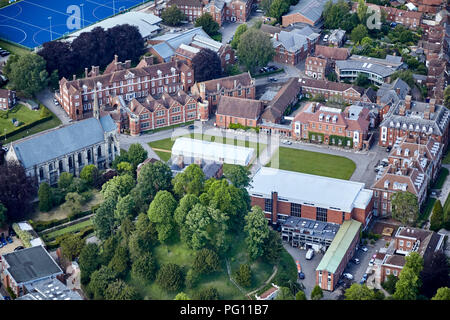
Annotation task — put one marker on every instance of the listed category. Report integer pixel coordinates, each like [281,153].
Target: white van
[309,254]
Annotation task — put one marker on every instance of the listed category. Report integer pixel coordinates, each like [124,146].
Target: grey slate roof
[50,289]
[388,91]
[31,264]
[311,9]
[378,69]
[295,39]
[62,141]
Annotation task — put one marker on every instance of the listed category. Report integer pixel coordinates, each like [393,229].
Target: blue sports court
[30,23]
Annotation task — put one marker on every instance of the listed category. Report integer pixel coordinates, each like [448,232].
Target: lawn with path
[70,229]
[316,163]
[22,114]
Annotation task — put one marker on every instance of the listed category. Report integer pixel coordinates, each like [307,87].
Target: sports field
[30,23]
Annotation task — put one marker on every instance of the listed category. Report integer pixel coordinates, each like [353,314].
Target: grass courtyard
[10,47]
[163,147]
[19,112]
[183,256]
[316,163]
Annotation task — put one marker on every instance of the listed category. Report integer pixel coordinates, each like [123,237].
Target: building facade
[330,90]
[232,110]
[321,124]
[8,99]
[67,149]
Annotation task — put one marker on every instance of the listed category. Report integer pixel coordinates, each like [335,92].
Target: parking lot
[11,246]
[309,268]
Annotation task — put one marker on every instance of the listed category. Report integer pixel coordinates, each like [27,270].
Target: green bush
[11,293]
[24,236]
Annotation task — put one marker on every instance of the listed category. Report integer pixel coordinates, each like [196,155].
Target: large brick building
[414,118]
[77,96]
[233,110]
[330,90]
[321,124]
[409,19]
[220,10]
[307,11]
[240,86]
[281,194]
[8,99]
[414,164]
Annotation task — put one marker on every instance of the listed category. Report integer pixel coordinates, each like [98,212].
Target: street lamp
[51,35]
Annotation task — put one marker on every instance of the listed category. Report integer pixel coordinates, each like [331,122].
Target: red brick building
[281,194]
[337,91]
[8,99]
[409,19]
[240,86]
[232,110]
[294,46]
[417,119]
[77,96]
[414,164]
[321,124]
[192,9]
[316,67]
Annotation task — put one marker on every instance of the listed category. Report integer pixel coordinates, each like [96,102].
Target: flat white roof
[312,190]
[212,151]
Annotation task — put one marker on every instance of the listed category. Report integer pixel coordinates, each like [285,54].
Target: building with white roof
[147,23]
[282,193]
[213,151]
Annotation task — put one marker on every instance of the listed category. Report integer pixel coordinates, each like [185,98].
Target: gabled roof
[311,9]
[332,53]
[61,141]
[239,107]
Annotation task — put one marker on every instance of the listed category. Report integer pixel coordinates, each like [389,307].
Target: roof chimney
[426,114]
[408,102]
[432,105]
[86,73]
[116,58]
[276,36]
[74,77]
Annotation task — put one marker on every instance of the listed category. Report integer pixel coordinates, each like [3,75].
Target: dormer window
[386,184]
[328,118]
[321,117]
[399,151]
[406,152]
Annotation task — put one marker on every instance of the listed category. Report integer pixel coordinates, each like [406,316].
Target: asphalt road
[46,98]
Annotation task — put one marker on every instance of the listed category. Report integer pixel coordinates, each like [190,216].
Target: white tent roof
[212,151]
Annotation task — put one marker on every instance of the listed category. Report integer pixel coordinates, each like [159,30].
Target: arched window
[80,161]
[61,168]
[89,156]
[41,173]
[99,151]
[70,163]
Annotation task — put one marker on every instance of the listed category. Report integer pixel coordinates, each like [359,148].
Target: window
[160,121]
[321,214]
[41,173]
[296,209]
[408,244]
[268,205]
[395,272]
[400,242]
[99,151]
[388,271]
[145,125]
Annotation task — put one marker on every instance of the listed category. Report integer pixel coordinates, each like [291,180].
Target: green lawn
[70,229]
[441,178]
[13,48]
[167,144]
[446,158]
[314,163]
[49,124]
[22,114]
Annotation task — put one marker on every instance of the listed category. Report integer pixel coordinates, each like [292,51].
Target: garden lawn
[316,163]
[71,229]
[11,47]
[22,114]
[443,173]
[49,124]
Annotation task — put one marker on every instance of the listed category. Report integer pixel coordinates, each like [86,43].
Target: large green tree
[257,231]
[144,267]
[161,212]
[237,35]
[442,294]
[244,275]
[125,208]
[143,239]
[437,217]
[136,154]
[359,292]
[405,207]
[3,215]
[407,286]
[170,277]
[206,261]
[238,175]
[27,73]
[272,247]
[207,65]
[119,262]
[190,181]
[284,294]
[316,293]
[255,49]
[359,33]
[89,261]
[120,290]
[100,279]
[278,8]
[103,220]
[208,24]
[89,174]
[172,16]
[71,246]
[45,197]
[119,186]
[185,205]
[182,296]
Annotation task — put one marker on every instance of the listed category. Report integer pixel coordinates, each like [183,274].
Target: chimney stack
[74,77]
[397,90]
[408,102]
[402,110]
[432,105]
[426,114]
[86,73]
[116,58]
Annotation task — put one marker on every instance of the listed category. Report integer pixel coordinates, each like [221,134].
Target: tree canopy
[208,24]
[255,49]
[238,175]
[237,35]
[359,292]
[190,181]
[257,231]
[405,207]
[172,16]
[206,65]
[161,212]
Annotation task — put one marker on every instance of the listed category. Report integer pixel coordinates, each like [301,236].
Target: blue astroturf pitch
[30,23]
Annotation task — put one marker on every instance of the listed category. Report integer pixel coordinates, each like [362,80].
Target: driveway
[46,98]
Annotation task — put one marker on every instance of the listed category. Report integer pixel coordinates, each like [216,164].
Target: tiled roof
[239,107]
[311,9]
[329,85]
[190,3]
[243,79]
[279,103]
[332,52]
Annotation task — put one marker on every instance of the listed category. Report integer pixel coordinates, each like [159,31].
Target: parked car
[11,232]
[18,248]
[9,239]
[348,276]
[55,101]
[371,262]
[364,249]
[301,275]
[325,38]
[5,149]
[309,254]
[286,142]
[6,297]
[384,162]
[1,245]
[191,127]
[273,68]
[388,149]
[355,261]
[272,79]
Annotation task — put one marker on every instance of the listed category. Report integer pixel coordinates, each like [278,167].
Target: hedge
[236,126]
[44,225]
[25,236]
[25,127]
[83,233]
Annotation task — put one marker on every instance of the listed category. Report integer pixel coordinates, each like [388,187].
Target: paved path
[275,270]
[46,98]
